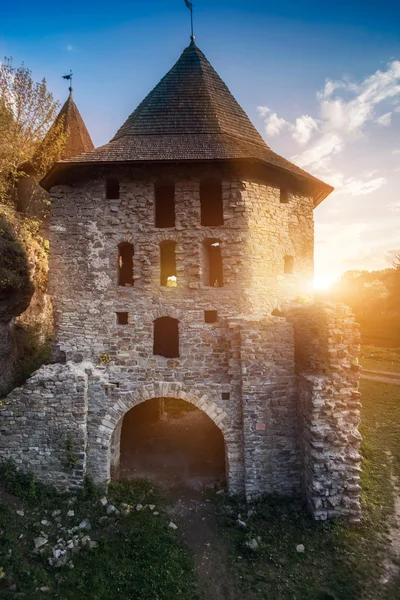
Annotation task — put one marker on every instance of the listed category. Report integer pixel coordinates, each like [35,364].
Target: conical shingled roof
[189,116]
[78,139]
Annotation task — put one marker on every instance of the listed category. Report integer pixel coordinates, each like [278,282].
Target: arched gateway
[104,443]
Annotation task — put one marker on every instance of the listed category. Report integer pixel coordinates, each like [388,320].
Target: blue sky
[276,58]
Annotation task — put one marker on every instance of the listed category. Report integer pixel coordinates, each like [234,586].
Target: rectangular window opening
[211,205]
[165,206]
[284,196]
[212,264]
[168,264]
[122,318]
[210,316]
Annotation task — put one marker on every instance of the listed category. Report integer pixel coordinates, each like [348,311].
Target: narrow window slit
[112,189]
[284,196]
[125,264]
[212,264]
[165,206]
[211,205]
[168,264]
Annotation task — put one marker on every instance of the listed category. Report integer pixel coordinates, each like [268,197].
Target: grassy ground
[380,359]
[138,557]
[338,563]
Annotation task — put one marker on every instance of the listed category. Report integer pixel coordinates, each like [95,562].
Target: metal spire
[69,78]
[190,7]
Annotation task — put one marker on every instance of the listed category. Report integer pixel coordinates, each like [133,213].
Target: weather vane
[69,78]
[190,7]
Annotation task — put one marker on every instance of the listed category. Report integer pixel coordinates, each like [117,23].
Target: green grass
[380,359]
[138,557]
[339,562]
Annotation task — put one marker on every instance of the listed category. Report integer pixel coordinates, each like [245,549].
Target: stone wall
[43,425]
[262,354]
[327,345]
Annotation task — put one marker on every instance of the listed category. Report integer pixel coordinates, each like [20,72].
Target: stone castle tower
[180,252]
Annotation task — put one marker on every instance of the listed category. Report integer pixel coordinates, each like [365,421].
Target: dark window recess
[289,265]
[165,205]
[225,395]
[166,337]
[112,189]
[122,318]
[168,263]
[284,196]
[213,270]
[210,316]
[211,204]
[125,264]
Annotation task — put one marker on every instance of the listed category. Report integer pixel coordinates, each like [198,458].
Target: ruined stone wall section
[327,347]
[43,425]
[265,359]
[276,230]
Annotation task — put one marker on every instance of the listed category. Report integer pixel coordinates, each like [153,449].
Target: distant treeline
[374,297]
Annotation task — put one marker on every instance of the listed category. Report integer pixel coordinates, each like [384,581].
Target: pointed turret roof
[189,116]
[78,139]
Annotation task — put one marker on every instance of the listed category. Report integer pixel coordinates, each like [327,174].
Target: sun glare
[323,282]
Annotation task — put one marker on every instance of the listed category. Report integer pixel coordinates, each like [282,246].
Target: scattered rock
[70,513]
[56,513]
[111,509]
[85,524]
[44,589]
[45,523]
[93,544]
[172,525]
[40,542]
[152,506]
[300,548]
[20,513]
[139,507]
[155,513]
[252,544]
[103,501]
[240,523]
[220,492]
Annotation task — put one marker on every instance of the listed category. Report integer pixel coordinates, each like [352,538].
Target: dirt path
[394,381]
[195,518]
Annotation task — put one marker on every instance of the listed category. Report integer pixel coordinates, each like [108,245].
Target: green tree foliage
[16,287]
[28,134]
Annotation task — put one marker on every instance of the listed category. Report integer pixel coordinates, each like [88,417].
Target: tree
[28,134]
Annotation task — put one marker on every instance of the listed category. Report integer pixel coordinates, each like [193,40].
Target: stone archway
[171,442]
[103,447]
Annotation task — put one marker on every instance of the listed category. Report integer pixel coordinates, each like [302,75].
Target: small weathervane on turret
[69,78]
[190,7]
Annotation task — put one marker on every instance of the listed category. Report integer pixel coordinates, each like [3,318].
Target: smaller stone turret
[29,197]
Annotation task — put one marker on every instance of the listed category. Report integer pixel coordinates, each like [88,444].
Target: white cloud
[357,187]
[263,111]
[303,129]
[394,207]
[343,120]
[385,119]
[396,152]
[274,124]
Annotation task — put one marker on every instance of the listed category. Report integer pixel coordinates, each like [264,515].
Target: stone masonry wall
[43,425]
[327,345]
[262,354]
